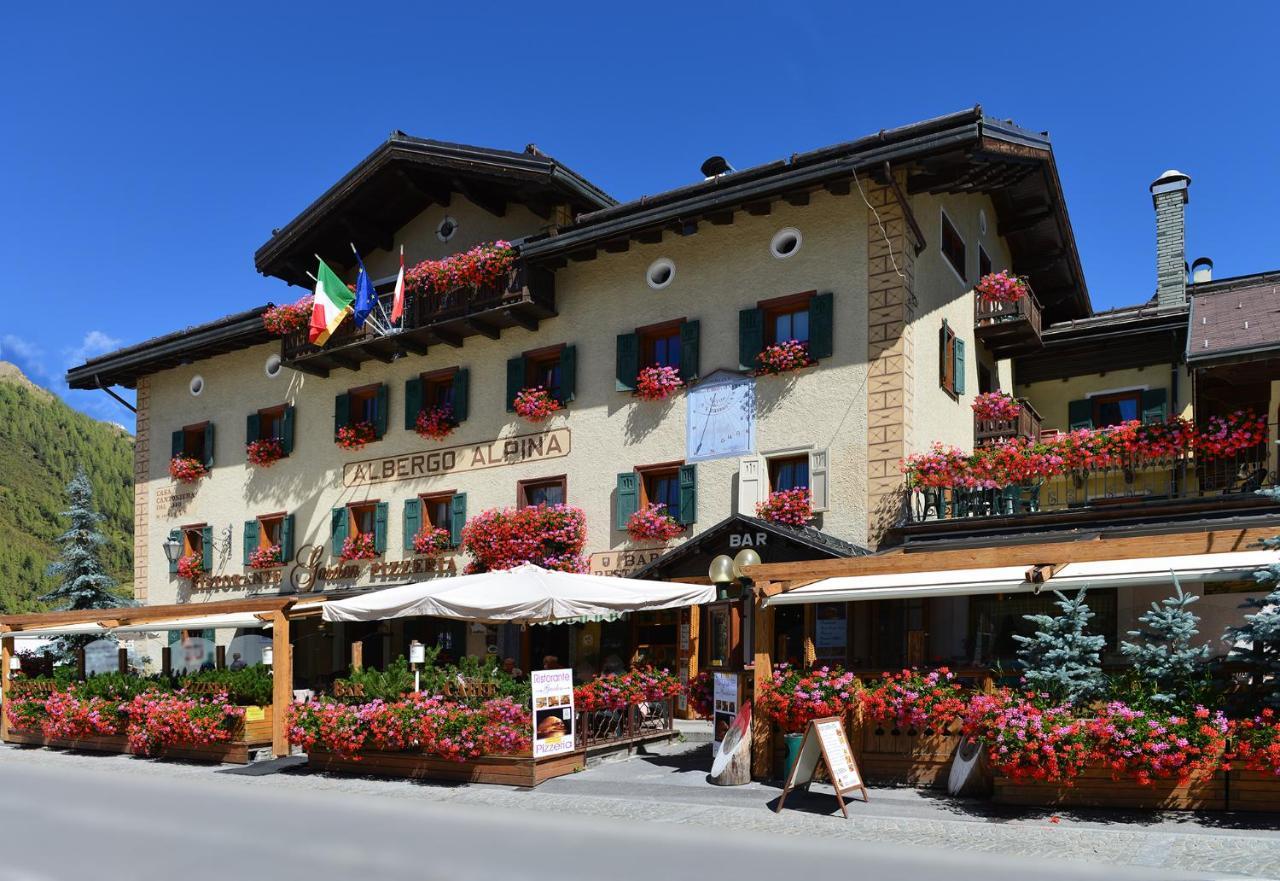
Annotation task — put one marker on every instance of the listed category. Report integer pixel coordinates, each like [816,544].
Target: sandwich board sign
[825,741]
[553,720]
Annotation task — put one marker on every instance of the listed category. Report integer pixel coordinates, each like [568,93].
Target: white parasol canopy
[525,594]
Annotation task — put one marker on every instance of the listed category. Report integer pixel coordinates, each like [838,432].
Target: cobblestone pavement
[668,785]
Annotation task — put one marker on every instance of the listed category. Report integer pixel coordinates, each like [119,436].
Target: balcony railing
[633,725]
[1008,329]
[1026,424]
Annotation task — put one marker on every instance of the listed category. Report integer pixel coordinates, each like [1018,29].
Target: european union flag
[366,297]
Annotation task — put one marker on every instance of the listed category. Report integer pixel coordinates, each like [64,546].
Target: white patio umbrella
[526,594]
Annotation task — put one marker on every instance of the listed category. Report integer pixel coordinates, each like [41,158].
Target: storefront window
[831,633]
[995,619]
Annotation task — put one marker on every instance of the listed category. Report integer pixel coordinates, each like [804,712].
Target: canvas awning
[525,594]
[198,622]
[1154,570]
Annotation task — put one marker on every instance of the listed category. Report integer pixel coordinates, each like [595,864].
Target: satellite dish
[734,739]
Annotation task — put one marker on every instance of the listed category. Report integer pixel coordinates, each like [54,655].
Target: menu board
[825,741]
[725,695]
[552,712]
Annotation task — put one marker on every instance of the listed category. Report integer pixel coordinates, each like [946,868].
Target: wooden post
[6,652]
[761,729]
[80,667]
[281,685]
[810,625]
[166,661]
[122,660]
[220,657]
[357,655]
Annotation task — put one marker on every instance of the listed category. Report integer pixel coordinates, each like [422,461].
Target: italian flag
[332,303]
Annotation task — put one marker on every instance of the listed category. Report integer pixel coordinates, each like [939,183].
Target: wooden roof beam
[649,236]
[448,337]
[798,199]
[528,322]
[429,191]
[758,209]
[484,328]
[493,204]
[617,246]
[838,187]
[720,218]
[1023,222]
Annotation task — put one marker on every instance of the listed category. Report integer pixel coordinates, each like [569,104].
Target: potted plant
[1002,287]
[289,317]
[435,423]
[359,547]
[186,469]
[357,435]
[656,383]
[190,566]
[997,406]
[267,557]
[431,542]
[535,404]
[653,523]
[793,698]
[790,507]
[265,452]
[783,357]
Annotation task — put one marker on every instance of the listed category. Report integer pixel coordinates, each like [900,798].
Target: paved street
[66,816]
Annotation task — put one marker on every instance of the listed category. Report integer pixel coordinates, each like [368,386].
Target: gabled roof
[1234,319]
[404,176]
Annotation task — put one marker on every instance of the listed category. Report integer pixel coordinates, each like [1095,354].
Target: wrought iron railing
[634,723]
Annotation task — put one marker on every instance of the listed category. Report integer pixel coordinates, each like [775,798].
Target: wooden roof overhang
[128,615]
[1130,338]
[402,178]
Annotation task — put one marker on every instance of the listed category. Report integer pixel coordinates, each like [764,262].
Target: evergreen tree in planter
[1261,629]
[83,580]
[1166,666]
[1062,658]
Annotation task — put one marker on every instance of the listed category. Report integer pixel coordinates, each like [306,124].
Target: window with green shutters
[338,529]
[271,422]
[807,317]
[674,344]
[951,360]
[359,519]
[440,388]
[195,442]
[438,510]
[368,403]
[674,486]
[267,531]
[554,368]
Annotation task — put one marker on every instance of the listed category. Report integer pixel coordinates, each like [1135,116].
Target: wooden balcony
[1027,424]
[1008,329]
[525,298]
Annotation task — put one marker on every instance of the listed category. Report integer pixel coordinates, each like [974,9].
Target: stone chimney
[1169,195]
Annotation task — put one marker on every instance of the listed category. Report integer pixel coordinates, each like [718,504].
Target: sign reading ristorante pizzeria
[455,460]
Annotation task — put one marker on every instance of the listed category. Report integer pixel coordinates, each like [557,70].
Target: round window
[272,367]
[785,242]
[196,385]
[982,221]
[661,272]
[446,228]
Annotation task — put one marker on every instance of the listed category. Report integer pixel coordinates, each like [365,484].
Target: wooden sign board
[825,740]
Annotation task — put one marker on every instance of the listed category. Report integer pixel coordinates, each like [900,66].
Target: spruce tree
[1257,641]
[1062,658]
[1165,661]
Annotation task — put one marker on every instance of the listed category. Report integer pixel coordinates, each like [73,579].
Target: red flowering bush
[288,318]
[483,266]
[267,557]
[550,536]
[359,547]
[190,566]
[334,727]
[1027,742]
[435,423]
[616,691]
[356,435]
[158,720]
[26,712]
[69,717]
[1146,746]
[783,357]
[535,404]
[653,523]
[701,695]
[1256,742]
[999,406]
[186,469]
[658,383]
[792,697]
[914,700]
[1226,436]
[265,452]
[432,541]
[1002,287]
[790,507]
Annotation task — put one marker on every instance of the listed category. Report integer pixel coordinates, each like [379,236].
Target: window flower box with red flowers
[268,557]
[432,541]
[356,436]
[658,383]
[789,507]
[1254,778]
[792,698]
[288,318]
[1002,287]
[783,358]
[550,536]
[435,423]
[653,523]
[359,547]
[483,266]
[186,469]
[996,406]
[190,566]
[264,452]
[535,404]
[908,726]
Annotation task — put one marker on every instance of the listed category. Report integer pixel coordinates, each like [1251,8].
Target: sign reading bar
[825,739]
[455,460]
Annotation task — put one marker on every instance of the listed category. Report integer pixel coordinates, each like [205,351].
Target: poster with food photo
[725,695]
[552,712]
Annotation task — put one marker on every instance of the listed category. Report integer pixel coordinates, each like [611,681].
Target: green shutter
[382,408]
[250,539]
[174,535]
[959,366]
[178,443]
[1080,414]
[750,337]
[1154,405]
[515,381]
[208,445]
[690,350]
[380,527]
[412,521]
[943,333]
[628,362]
[206,549]
[821,321]
[628,498]
[286,538]
[341,412]
[412,402]
[252,428]
[338,525]
[461,394]
[568,373]
[457,517]
[688,494]
[286,429]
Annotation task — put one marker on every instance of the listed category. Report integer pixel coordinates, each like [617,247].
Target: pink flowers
[483,266]
[535,404]
[1002,287]
[435,423]
[359,547]
[190,566]
[658,383]
[1256,742]
[265,452]
[793,697]
[782,357]
[432,541]
[1146,746]
[291,317]
[996,406]
[186,469]
[1026,742]
[267,557]
[790,507]
[912,699]
[653,523]
[617,691]
[160,720]
[68,717]
[550,536]
[356,435]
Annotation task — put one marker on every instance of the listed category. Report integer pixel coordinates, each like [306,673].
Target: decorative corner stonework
[141,485]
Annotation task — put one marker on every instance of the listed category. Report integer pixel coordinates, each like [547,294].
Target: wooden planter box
[1095,789]
[107,743]
[1253,791]
[904,759]
[506,770]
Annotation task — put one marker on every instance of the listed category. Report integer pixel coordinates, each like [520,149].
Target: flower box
[435,423]
[185,469]
[789,507]
[653,523]
[524,771]
[1095,788]
[288,318]
[893,756]
[783,358]
[191,566]
[264,452]
[356,436]
[535,404]
[266,558]
[1253,790]
[658,383]
[360,547]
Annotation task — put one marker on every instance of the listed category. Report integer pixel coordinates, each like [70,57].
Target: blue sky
[145,158]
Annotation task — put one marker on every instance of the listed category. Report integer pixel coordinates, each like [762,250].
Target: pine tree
[1062,658]
[1164,659]
[1257,641]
